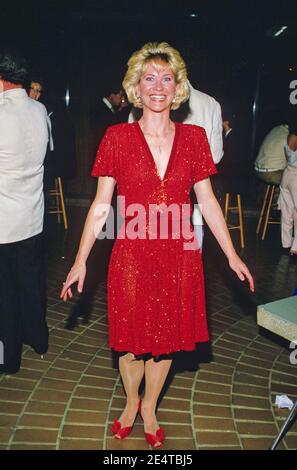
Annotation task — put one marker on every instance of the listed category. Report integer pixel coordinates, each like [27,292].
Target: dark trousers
[22,300]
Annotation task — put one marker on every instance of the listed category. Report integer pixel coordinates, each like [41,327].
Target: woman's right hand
[242,271]
[76,274]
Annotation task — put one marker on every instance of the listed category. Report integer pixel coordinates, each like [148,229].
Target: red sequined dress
[156,300]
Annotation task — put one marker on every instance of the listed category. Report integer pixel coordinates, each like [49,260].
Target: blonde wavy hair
[155,52]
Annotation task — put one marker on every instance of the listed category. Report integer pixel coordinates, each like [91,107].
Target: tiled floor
[220,397]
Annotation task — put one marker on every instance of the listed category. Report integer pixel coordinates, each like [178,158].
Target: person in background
[288,195]
[227,127]
[271,162]
[231,169]
[36,88]
[35,91]
[23,143]
[271,159]
[124,108]
[104,112]
[205,111]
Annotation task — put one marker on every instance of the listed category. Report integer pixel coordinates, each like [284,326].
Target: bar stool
[265,210]
[237,209]
[59,207]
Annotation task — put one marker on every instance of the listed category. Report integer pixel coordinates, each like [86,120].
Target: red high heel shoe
[154,440]
[122,432]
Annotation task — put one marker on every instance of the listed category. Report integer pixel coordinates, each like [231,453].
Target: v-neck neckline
[171,155]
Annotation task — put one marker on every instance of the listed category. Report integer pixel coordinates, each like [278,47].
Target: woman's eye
[149,79]
[167,79]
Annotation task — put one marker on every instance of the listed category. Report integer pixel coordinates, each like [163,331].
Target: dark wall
[229,47]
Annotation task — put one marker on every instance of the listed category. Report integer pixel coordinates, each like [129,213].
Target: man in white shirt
[206,112]
[23,143]
[271,159]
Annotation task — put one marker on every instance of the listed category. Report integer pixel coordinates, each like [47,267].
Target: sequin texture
[156,300]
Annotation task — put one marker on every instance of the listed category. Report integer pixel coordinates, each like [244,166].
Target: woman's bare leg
[155,376]
[132,372]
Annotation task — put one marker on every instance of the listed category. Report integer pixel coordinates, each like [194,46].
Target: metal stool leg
[292,416]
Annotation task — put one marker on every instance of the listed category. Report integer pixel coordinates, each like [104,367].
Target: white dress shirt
[228,132]
[108,104]
[23,143]
[206,112]
[271,156]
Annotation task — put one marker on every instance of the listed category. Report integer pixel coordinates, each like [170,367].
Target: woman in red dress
[156,303]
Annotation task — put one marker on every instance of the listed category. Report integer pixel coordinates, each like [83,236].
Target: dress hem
[159,352]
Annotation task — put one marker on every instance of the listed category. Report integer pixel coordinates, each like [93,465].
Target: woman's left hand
[241,270]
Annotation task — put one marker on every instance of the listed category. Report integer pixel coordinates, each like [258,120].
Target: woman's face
[35,90]
[157,87]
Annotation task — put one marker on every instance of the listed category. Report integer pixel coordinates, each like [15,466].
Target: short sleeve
[106,157]
[203,165]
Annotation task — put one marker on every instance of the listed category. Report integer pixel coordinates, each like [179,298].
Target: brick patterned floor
[216,398]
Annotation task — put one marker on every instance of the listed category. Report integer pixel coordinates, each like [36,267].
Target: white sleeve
[216,137]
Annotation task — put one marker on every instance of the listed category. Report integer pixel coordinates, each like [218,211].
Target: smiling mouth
[158,97]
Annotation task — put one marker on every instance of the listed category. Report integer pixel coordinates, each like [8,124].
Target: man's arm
[216,138]
[292,141]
